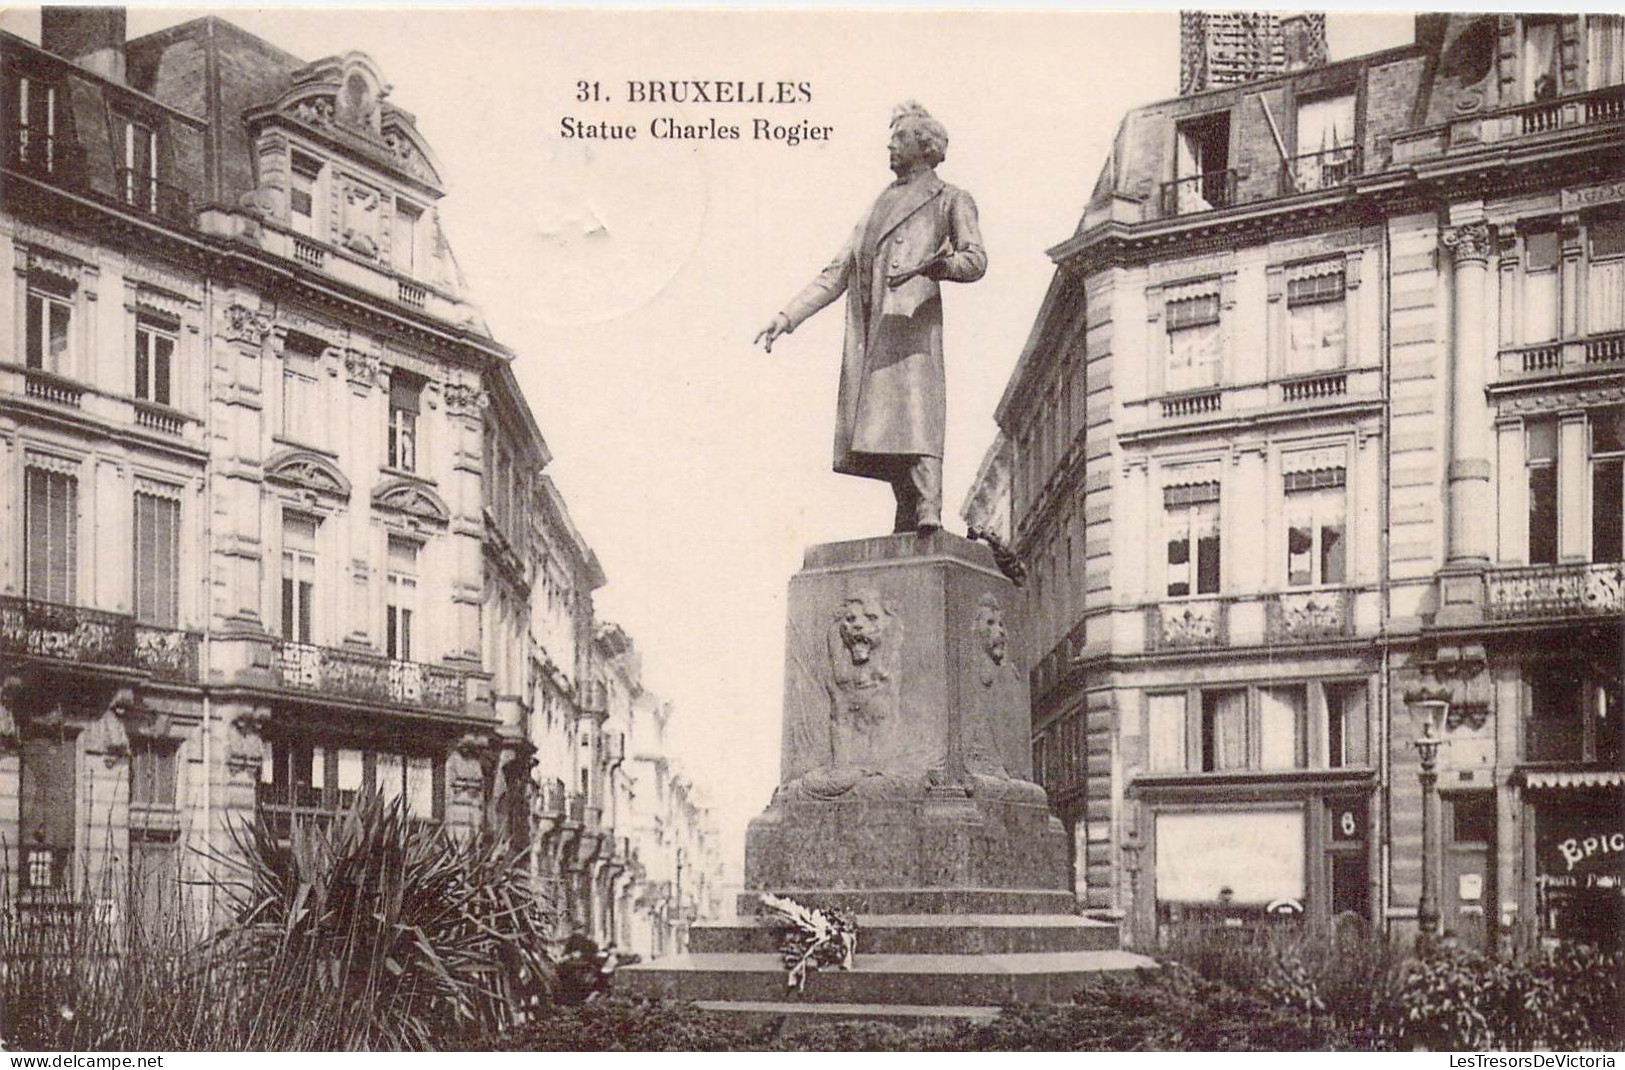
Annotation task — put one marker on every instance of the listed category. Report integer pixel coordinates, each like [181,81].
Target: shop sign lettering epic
[1576,849]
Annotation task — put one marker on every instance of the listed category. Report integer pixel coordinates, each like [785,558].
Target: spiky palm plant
[378,932]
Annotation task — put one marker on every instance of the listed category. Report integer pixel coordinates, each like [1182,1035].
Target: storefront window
[1580,865]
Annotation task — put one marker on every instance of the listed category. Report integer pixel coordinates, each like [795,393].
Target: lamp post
[1433,708]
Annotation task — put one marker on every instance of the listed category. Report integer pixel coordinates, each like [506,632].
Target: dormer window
[138,177]
[1605,50]
[302,194]
[1201,173]
[34,139]
[408,228]
[1542,72]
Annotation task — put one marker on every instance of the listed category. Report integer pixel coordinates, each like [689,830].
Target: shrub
[620,1024]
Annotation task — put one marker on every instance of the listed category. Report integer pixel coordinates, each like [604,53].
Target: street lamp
[1431,708]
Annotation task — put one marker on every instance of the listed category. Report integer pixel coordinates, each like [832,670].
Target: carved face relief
[862,624]
[989,628]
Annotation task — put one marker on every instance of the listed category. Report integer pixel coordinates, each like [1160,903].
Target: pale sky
[630,277]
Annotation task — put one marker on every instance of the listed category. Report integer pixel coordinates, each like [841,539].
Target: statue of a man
[892,406]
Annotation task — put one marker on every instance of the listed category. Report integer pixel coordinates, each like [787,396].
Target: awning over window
[1552,779]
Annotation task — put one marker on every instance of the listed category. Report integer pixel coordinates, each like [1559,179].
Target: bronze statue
[892,406]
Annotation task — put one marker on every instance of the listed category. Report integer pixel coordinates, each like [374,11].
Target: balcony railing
[94,637]
[1471,133]
[1199,193]
[359,675]
[142,191]
[1208,401]
[412,294]
[48,386]
[160,418]
[1187,625]
[1555,591]
[309,253]
[1316,387]
[1320,170]
[1573,354]
[1308,616]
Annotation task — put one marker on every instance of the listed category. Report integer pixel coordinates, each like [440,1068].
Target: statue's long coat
[893,398]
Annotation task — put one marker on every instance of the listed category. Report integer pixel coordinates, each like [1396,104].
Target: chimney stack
[1304,33]
[92,37]
[1219,48]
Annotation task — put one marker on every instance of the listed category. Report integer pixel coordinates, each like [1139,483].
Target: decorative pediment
[305,470]
[411,498]
[343,98]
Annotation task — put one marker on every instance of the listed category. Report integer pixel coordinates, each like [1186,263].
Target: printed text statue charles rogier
[892,403]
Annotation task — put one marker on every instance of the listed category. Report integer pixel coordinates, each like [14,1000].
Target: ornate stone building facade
[276,530]
[1321,414]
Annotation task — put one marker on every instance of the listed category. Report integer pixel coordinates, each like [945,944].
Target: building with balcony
[1322,410]
[278,530]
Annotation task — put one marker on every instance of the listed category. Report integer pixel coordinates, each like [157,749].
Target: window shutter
[404,390]
[51,551]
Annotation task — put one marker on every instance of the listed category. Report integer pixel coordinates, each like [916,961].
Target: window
[1541,255]
[405,247]
[403,598]
[1224,730]
[1194,348]
[1605,50]
[1316,550]
[157,560]
[139,175]
[1556,727]
[301,388]
[306,172]
[49,323]
[152,772]
[405,394]
[1282,724]
[35,144]
[47,811]
[1540,59]
[1605,274]
[1165,732]
[1345,725]
[1325,143]
[1607,483]
[1317,315]
[1202,159]
[298,577]
[1540,469]
[154,358]
[1191,521]
[50,545]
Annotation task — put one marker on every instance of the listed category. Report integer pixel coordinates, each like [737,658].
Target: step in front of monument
[798,1017]
[880,979]
[946,901]
[926,934]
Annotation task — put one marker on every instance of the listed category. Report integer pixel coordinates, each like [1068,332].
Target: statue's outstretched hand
[769,334]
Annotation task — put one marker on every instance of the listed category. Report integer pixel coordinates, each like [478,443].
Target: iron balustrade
[370,677]
[1325,169]
[1200,193]
[1556,591]
[45,155]
[37,629]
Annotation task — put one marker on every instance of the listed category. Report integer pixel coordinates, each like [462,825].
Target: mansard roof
[342,101]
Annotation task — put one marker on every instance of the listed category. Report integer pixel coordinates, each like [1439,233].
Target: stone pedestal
[906,797]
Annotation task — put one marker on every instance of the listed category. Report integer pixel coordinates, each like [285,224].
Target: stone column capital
[1469,242]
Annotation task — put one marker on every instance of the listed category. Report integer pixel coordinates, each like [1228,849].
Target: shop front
[1579,848]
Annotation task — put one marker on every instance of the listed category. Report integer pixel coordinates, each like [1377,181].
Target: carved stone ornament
[245,749]
[1469,242]
[1562,401]
[411,160]
[411,498]
[462,398]
[362,367]
[307,471]
[243,324]
[317,111]
[1190,624]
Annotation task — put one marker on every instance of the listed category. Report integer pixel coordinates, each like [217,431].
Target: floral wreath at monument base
[815,939]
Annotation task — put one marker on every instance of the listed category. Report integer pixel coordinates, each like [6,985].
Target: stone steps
[977,980]
[941,934]
[798,1017]
[955,901]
